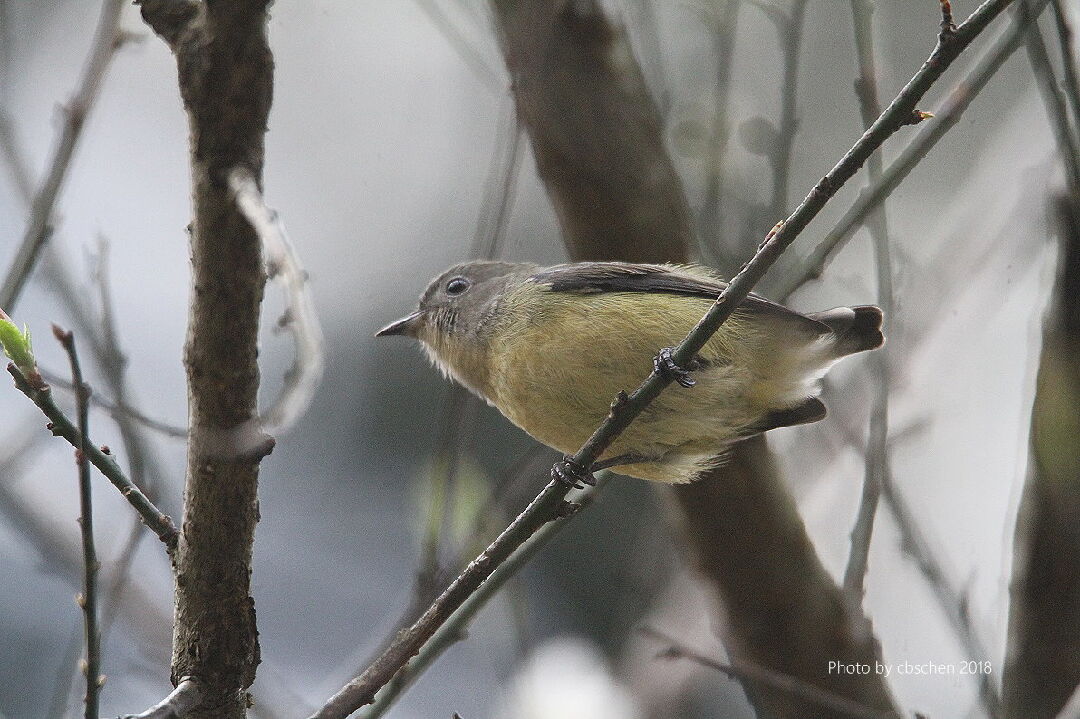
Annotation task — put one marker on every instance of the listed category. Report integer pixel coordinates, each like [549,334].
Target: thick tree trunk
[1043,664]
[225,74]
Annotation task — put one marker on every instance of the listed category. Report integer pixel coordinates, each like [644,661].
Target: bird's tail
[856,329]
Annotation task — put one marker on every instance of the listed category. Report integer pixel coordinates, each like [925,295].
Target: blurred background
[392,145]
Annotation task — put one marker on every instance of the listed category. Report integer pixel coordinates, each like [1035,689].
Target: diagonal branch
[61,426]
[106,42]
[762,676]
[965,92]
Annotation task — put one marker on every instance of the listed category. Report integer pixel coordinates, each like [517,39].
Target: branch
[950,598]
[958,101]
[1068,58]
[877,451]
[187,696]
[299,318]
[764,677]
[61,426]
[626,408]
[1048,86]
[454,628]
[88,599]
[106,41]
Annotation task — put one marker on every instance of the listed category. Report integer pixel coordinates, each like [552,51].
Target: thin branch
[300,318]
[791,31]
[951,599]
[724,21]
[88,600]
[107,40]
[118,411]
[958,101]
[902,111]
[454,628]
[1048,86]
[1068,58]
[765,677]
[61,426]
[488,76]
[187,696]
[877,451]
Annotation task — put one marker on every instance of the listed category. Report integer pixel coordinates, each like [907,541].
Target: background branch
[88,600]
[107,40]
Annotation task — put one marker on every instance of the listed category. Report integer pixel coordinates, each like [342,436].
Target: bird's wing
[597,277]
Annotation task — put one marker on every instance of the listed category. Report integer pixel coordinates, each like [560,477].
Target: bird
[551,346]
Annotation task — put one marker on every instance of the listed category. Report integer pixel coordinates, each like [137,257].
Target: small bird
[550,347]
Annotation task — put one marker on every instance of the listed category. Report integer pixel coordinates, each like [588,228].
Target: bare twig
[488,76]
[186,697]
[724,21]
[958,101]
[877,451]
[763,676]
[948,27]
[790,29]
[61,426]
[117,411]
[1068,58]
[300,318]
[951,598]
[902,111]
[88,600]
[106,42]
[1048,86]
[454,628]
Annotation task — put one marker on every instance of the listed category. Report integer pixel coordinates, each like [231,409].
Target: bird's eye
[457,285]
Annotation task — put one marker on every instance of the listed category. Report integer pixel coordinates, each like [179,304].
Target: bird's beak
[405,326]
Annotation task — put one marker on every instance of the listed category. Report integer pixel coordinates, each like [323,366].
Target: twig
[118,411]
[1048,86]
[501,190]
[877,451]
[950,598]
[948,27]
[106,41]
[1068,58]
[958,101]
[186,697]
[61,426]
[300,318]
[488,76]
[791,31]
[454,628]
[88,600]
[361,690]
[763,676]
[724,26]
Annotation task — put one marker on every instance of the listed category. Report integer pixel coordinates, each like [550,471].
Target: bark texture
[225,71]
[599,144]
[596,134]
[1043,665]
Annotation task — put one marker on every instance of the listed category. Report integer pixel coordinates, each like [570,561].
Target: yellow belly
[559,390]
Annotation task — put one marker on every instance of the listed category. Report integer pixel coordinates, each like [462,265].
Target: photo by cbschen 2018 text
[907,668]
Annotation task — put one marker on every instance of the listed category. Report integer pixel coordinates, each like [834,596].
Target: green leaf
[17,346]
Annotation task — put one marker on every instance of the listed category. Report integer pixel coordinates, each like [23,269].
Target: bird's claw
[665,366]
[570,472]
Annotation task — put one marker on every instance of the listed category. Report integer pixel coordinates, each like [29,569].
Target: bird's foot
[665,366]
[570,472]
